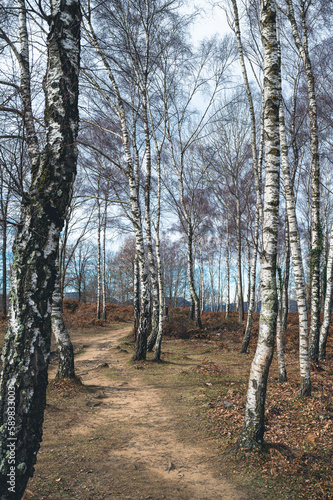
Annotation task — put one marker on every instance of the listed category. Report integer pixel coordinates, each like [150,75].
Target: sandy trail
[185,470]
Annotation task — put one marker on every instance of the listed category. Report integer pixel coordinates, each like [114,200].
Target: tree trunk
[202,284]
[286,274]
[136,294]
[27,342]
[4,267]
[253,430]
[279,334]
[104,315]
[195,307]
[328,302]
[256,161]
[64,344]
[151,259]
[227,305]
[251,305]
[98,304]
[141,338]
[239,267]
[316,229]
[157,354]
[295,245]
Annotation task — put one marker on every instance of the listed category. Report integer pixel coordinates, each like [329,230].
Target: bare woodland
[138,166]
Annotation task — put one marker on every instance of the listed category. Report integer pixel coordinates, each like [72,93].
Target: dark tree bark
[27,342]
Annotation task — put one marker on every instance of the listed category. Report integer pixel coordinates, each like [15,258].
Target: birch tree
[301,38]
[27,342]
[252,433]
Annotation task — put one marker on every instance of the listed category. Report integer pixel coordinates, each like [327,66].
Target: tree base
[305,389]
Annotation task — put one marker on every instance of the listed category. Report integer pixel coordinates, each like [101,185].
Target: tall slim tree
[27,342]
[252,433]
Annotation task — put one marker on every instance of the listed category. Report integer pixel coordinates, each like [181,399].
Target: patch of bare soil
[118,437]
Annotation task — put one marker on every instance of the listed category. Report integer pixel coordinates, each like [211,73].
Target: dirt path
[150,460]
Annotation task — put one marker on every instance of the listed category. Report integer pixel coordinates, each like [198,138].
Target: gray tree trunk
[253,430]
[195,307]
[239,267]
[251,304]
[64,343]
[27,342]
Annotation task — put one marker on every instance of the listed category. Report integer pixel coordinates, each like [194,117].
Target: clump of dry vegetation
[77,315]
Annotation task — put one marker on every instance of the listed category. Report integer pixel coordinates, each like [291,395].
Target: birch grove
[204,182]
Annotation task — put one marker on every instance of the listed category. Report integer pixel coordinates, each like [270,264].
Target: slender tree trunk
[27,343]
[279,334]
[98,310]
[190,267]
[157,354]
[248,276]
[202,284]
[104,315]
[136,295]
[256,161]
[219,308]
[316,229]
[227,305]
[286,274]
[151,259]
[141,338]
[239,267]
[253,430]
[305,387]
[64,344]
[328,302]
[4,267]
[251,305]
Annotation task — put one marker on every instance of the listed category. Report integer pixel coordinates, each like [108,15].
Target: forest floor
[145,430]
[127,433]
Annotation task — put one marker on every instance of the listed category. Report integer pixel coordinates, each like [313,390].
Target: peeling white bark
[328,302]
[253,430]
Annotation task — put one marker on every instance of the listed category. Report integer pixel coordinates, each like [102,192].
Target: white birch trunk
[239,267]
[316,229]
[256,162]
[295,245]
[27,342]
[62,337]
[99,228]
[279,335]
[253,430]
[227,304]
[328,302]
[157,353]
[190,271]
[142,332]
[104,315]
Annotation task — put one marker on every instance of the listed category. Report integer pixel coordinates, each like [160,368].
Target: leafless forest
[143,166]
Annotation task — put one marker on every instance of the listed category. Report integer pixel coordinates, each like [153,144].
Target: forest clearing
[160,430]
